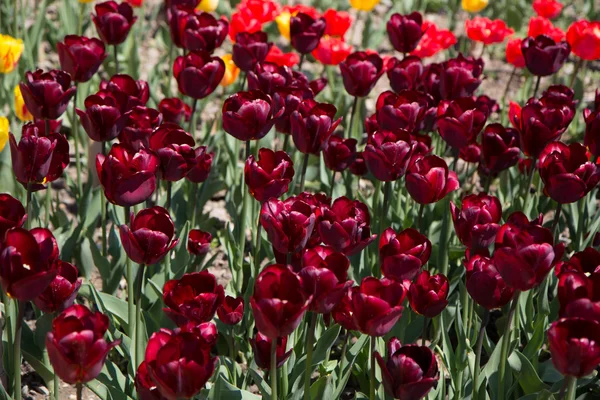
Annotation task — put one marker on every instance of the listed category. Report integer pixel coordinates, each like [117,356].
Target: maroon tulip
[388,153]
[269,176]
[231,311]
[76,345]
[428,179]
[346,226]
[592,127]
[525,252]
[339,153]
[584,261]
[360,72]
[174,148]
[405,31]
[567,172]
[343,314]
[306,32]
[105,115]
[460,77]
[81,56]
[61,292]
[543,56]
[289,224]
[377,305]
[248,115]
[127,177]
[113,21]
[406,110]
[131,93]
[250,49]
[410,372]
[288,99]
[198,242]
[324,275]
[206,331]
[359,166]
[47,94]
[318,204]
[145,386]
[174,110]
[279,301]
[573,285]
[39,157]
[404,74]
[574,346]
[312,124]
[178,363]
[200,165]
[203,32]
[261,348]
[12,214]
[476,223]
[484,283]
[583,308]
[428,294]
[460,121]
[403,254]
[149,236]
[269,77]
[193,298]
[198,74]
[141,122]
[499,148]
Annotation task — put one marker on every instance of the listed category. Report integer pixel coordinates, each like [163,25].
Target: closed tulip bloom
[543,56]
[499,148]
[583,308]
[405,110]
[289,224]
[250,49]
[193,298]
[200,166]
[113,21]
[174,148]
[231,311]
[574,346]
[174,110]
[104,116]
[337,22]
[130,92]
[404,74]
[428,294]
[149,236]
[81,56]
[312,124]
[10,53]
[403,254]
[198,242]
[269,77]
[410,372]
[318,203]
[61,292]
[547,8]
[377,305]
[305,32]
[76,345]
[261,349]
[346,226]
[476,223]
[583,261]
[388,153]
[359,166]
[485,284]
[584,38]
[543,26]
[140,123]
[474,6]
[514,55]
[572,286]
[12,214]
[270,175]
[339,153]
[487,31]
[460,77]
[198,74]
[405,31]
[47,94]
[429,180]
[203,32]
[279,301]
[360,72]
[332,50]
[248,115]
[460,121]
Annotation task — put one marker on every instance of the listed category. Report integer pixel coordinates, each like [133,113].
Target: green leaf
[527,376]
[350,359]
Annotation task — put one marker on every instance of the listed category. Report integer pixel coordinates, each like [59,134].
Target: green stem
[352,114]
[537,86]
[343,355]
[168,202]
[303,176]
[444,236]
[80,20]
[505,344]
[528,187]
[580,225]
[116,54]
[555,221]
[28,205]
[424,334]
[75,140]
[331,183]
[257,249]
[104,220]
[79,387]
[572,388]
[47,205]
[243,217]
[372,372]
[310,338]
[302,57]
[507,88]
[130,288]
[139,348]
[420,218]
[192,125]
[17,349]
[274,369]
[578,66]
[478,348]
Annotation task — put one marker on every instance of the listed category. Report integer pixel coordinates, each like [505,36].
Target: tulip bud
[174,110]
[113,21]
[312,124]
[339,153]
[104,117]
[261,348]
[269,176]
[289,224]
[140,123]
[484,283]
[477,223]
[360,72]
[202,32]
[428,294]
[405,31]
[406,110]
[248,115]
[174,148]
[200,166]
[460,121]
[198,74]
[231,311]
[543,56]
[460,77]
[129,92]
[81,56]
[570,336]
[573,285]
[403,254]
[499,148]
[250,49]
[305,32]
[405,74]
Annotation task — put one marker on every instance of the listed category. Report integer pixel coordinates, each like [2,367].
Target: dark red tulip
[289,224]
[193,298]
[312,124]
[403,254]
[201,31]
[269,176]
[499,148]
[428,294]
[429,180]
[145,386]
[113,21]
[343,314]
[174,110]
[105,115]
[318,204]
[279,301]
[178,363]
[388,153]
[39,157]
[583,308]
[460,77]
[404,74]
[359,166]
[261,348]
[129,92]
[305,32]
[410,372]
[248,115]
[405,31]
[525,252]
[198,74]
[127,177]
[174,148]
[573,285]
[80,56]
[476,223]
[200,165]
[346,226]
[288,99]
[567,172]
[76,345]
[484,283]
[377,305]
[575,346]
[324,275]
[12,214]
[460,121]
[198,242]
[231,311]
[269,77]
[149,236]
[339,153]
[583,261]
[47,94]
[61,292]
[471,153]
[250,49]
[543,56]
[141,122]
[360,72]
[406,110]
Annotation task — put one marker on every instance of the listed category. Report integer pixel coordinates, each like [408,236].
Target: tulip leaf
[34,354]
[223,390]
[527,376]
[260,381]
[322,388]
[351,356]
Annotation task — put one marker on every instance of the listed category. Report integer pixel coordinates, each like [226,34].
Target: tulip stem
[28,205]
[257,249]
[286,143]
[506,338]
[243,216]
[192,126]
[572,388]
[424,333]
[578,66]
[168,202]
[310,338]
[352,114]
[116,54]
[478,348]
[555,221]
[372,371]
[17,349]
[343,354]
[420,218]
[79,387]
[303,176]
[537,86]
[274,369]
[139,348]
[580,225]
[302,56]
[507,88]
[75,126]
[331,183]
[528,187]
[130,290]
[104,221]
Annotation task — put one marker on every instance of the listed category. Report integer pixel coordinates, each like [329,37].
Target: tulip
[363,5]
[312,124]
[428,294]
[174,110]
[261,348]
[269,77]
[277,56]
[360,72]
[405,31]
[47,94]
[81,56]
[203,32]
[127,177]
[337,22]
[485,284]
[474,6]
[270,175]
[583,308]
[403,254]
[250,49]
[346,226]
[198,242]
[572,286]
[388,153]
[198,74]
[543,56]
[410,372]
[12,214]
[113,21]
[20,108]
[279,301]
[339,153]
[543,26]
[231,311]
[343,314]
[477,223]
[429,180]
[248,115]
[140,123]
[574,346]
[76,345]
[263,10]
[584,39]
[243,22]
[547,8]
[460,77]
[10,53]
[200,166]
[318,203]
[433,40]
[377,305]
[514,55]
[61,292]
[460,121]
[289,224]
[331,50]
[104,117]
[499,148]
[129,92]
[487,31]
[404,74]
[584,261]
[305,32]
[193,298]
[406,110]
[206,332]
[174,148]
[145,386]
[231,71]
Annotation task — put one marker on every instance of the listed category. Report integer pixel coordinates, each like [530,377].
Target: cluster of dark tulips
[431,115]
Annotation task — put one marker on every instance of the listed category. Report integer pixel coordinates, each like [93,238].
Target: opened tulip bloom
[339,153]
[198,31]
[200,166]
[429,180]
[584,39]
[403,254]
[198,242]
[543,26]
[514,55]
[433,40]
[404,74]
[547,8]
[174,110]
[113,21]
[474,6]
[198,74]
[231,311]
[460,121]
[332,50]
[428,294]
[487,31]
[81,56]
[406,110]
[10,53]
[131,92]
[338,22]
[499,148]
[61,292]
[460,77]
[47,94]
[476,223]
[485,284]
[312,124]
[574,346]
[269,175]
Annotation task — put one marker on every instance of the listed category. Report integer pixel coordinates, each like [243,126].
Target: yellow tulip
[283,23]
[85,1]
[364,5]
[208,5]
[3,132]
[231,71]
[474,6]
[22,111]
[10,52]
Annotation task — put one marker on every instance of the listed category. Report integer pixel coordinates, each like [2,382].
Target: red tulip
[584,38]
[499,148]
[484,283]
[269,77]
[574,346]
[583,261]
[359,166]
[261,348]
[277,56]
[547,8]
[543,26]
[198,74]
[231,311]
[61,292]
[113,21]
[429,180]
[174,110]
[339,153]
[428,294]
[81,56]
[312,124]
[433,40]
[514,55]
[377,305]
[248,115]
[318,203]
[476,223]
[47,94]
[487,31]
[360,72]
[573,285]
[140,124]
[200,166]
[460,121]
[104,116]
[198,31]
[242,21]
[250,49]
[405,31]
[262,10]
[305,32]
[331,50]
[289,224]
[337,22]
[145,386]
[12,214]
[460,77]
[269,176]
[174,148]
[543,56]
[404,74]
[406,110]
[403,254]
[131,93]
[198,242]
[343,314]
